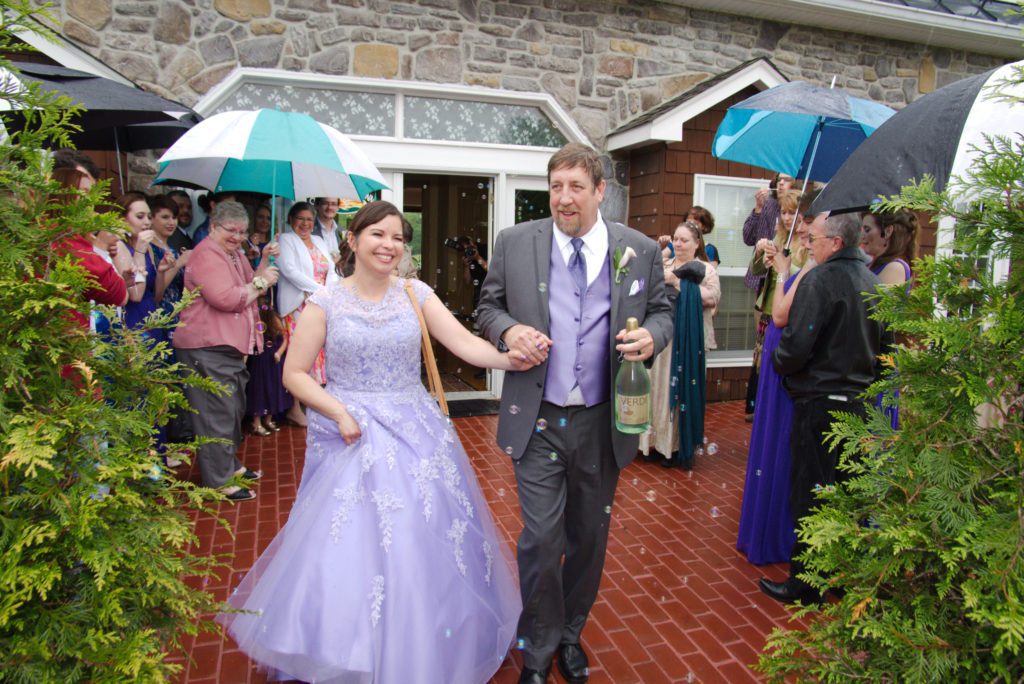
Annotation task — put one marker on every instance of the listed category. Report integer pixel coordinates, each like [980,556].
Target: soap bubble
[651,496]
[448,633]
[636,481]
[712,449]
[608,510]
[758,473]
[521,644]
[705,439]
[541,425]
[542,287]
[501,491]
[553,456]
[715,512]
[513,409]
[562,422]
[508,450]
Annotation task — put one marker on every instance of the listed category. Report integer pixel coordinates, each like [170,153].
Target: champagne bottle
[632,393]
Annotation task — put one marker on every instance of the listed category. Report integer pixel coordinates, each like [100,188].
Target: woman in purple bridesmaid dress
[390,568]
[890,240]
[767,531]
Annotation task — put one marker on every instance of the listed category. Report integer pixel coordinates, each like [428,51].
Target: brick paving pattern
[677,603]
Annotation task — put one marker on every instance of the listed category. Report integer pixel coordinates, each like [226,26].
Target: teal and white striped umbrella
[286,154]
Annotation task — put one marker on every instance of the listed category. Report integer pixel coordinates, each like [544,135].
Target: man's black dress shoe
[572,663]
[790,591]
[529,676]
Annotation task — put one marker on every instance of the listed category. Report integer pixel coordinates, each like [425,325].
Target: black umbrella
[936,134]
[157,135]
[108,103]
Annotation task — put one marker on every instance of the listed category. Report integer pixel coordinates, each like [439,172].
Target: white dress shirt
[595,247]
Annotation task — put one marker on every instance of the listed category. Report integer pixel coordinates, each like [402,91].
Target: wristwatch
[260,283]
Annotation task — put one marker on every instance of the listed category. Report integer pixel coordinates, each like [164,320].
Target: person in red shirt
[77,171]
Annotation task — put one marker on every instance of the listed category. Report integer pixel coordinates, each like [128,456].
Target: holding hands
[527,345]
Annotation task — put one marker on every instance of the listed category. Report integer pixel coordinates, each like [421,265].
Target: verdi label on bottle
[634,410]
[632,394]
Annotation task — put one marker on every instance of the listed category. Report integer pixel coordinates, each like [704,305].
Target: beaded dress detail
[390,568]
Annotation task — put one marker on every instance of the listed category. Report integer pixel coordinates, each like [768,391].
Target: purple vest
[580,350]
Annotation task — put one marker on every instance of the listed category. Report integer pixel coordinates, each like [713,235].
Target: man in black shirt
[828,355]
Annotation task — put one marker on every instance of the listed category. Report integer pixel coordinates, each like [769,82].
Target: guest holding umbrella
[694,291]
[218,330]
[306,266]
[766,533]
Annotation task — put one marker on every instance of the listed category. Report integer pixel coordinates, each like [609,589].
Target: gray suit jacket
[513,293]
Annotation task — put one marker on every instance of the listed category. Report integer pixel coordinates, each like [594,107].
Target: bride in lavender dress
[390,568]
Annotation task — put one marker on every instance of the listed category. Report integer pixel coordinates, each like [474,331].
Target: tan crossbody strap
[433,376]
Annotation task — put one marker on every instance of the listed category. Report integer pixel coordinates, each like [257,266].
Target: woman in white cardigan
[305,266]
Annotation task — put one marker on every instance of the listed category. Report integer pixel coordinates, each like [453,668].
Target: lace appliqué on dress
[387,503]
[349,497]
[489,558]
[376,599]
[456,533]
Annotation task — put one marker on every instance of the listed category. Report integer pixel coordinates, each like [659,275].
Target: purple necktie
[578,268]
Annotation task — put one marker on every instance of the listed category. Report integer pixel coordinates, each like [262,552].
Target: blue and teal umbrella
[802,130]
[284,154]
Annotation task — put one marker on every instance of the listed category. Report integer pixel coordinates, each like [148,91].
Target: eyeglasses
[239,231]
[812,238]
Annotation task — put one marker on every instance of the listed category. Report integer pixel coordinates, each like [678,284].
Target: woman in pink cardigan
[218,330]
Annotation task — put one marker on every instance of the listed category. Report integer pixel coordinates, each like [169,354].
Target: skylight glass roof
[986,10]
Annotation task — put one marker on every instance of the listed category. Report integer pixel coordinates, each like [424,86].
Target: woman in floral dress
[305,266]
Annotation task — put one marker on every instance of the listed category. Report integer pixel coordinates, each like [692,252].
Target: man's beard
[570,227]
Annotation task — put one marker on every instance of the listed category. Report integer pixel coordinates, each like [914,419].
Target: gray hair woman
[218,330]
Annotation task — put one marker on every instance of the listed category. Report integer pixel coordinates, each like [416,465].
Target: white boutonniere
[622,260]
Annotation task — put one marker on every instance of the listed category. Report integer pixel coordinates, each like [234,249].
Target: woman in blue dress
[766,533]
[142,299]
[390,568]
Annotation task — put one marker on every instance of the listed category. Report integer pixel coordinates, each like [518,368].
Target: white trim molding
[668,126]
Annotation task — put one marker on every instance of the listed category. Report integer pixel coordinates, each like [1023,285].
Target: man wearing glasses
[326,226]
[828,355]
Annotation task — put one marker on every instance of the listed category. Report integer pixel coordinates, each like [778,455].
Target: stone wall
[605,61]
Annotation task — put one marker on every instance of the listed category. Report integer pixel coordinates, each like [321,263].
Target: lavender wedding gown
[390,568]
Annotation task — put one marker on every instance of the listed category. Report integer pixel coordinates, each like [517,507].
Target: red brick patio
[678,603]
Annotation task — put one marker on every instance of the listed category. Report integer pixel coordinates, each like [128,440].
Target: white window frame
[739,357]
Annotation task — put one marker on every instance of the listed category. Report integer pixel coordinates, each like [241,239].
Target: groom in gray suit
[558,293]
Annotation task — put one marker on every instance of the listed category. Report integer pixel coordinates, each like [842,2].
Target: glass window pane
[431,118]
[730,201]
[351,113]
[532,205]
